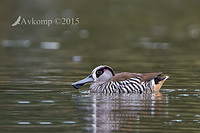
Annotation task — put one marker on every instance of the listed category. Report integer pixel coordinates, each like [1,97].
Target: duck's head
[100,74]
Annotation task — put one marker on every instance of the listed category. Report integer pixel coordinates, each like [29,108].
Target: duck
[105,80]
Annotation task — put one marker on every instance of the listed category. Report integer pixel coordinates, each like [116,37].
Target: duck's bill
[80,83]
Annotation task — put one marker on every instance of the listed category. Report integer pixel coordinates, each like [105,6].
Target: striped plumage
[131,85]
[106,81]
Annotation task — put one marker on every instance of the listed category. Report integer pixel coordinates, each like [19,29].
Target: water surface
[39,64]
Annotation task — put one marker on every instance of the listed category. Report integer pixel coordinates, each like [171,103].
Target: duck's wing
[143,77]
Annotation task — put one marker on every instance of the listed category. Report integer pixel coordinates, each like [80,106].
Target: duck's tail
[159,82]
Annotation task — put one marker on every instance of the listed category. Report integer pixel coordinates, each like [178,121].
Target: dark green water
[135,36]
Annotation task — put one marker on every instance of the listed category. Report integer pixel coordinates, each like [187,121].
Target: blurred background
[132,33]
[39,62]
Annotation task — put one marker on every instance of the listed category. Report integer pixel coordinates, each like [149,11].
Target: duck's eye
[99,72]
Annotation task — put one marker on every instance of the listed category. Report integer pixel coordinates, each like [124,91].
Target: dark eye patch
[99,72]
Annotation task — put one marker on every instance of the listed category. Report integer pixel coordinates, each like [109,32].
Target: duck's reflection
[113,112]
